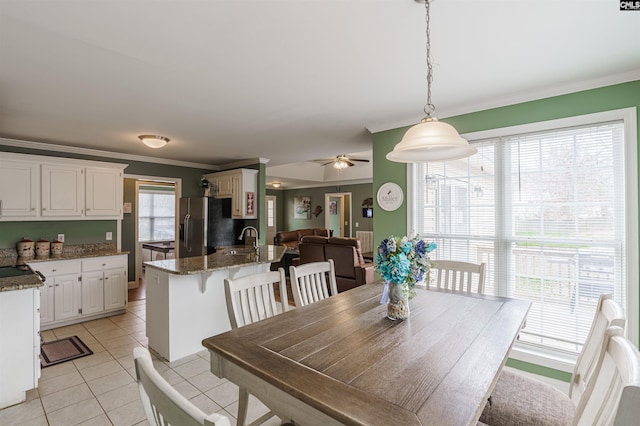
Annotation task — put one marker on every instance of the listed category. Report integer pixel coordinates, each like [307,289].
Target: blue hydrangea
[404,261]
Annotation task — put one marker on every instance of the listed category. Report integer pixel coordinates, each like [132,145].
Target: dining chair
[251,299]
[519,399]
[613,397]
[462,276]
[309,282]
[164,405]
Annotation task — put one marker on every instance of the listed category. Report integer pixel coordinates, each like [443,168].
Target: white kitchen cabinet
[46,302]
[115,288]
[80,290]
[111,273]
[20,348]
[92,292]
[241,186]
[62,190]
[18,188]
[103,192]
[34,187]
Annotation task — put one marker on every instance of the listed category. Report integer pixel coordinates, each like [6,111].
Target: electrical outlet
[109,236]
[61,238]
[357,224]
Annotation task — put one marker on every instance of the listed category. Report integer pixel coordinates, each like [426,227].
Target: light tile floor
[100,389]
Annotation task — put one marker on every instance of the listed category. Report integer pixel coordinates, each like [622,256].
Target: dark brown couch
[351,269]
[291,239]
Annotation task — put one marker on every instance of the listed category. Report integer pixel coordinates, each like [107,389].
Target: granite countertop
[9,257]
[21,282]
[223,258]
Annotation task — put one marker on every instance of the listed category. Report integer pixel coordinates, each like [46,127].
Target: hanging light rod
[430,140]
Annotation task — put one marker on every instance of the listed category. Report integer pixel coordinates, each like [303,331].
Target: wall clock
[389,196]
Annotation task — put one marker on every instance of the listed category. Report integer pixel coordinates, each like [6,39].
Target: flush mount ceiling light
[154,141]
[276,184]
[430,140]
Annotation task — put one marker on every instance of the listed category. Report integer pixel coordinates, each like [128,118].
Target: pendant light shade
[431,140]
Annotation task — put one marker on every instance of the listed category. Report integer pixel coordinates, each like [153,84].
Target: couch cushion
[312,249]
[303,232]
[324,232]
[286,236]
[341,241]
[314,239]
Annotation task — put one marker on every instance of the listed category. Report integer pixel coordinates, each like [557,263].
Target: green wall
[608,98]
[75,232]
[359,193]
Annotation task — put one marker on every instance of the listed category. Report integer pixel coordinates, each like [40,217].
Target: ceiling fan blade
[349,163]
[359,159]
[330,162]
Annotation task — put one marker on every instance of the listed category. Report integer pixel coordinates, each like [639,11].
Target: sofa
[291,239]
[351,269]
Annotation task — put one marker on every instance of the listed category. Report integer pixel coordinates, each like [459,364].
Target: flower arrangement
[404,261]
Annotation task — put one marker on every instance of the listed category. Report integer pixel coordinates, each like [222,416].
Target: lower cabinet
[79,290]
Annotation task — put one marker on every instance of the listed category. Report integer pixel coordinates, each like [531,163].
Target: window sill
[544,358]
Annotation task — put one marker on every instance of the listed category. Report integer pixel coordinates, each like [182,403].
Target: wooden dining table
[342,361]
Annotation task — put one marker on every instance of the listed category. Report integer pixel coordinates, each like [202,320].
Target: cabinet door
[46,302]
[62,190]
[103,192]
[92,293]
[18,189]
[237,199]
[225,186]
[115,288]
[67,296]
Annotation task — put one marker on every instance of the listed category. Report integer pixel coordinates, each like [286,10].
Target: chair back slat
[460,276]
[252,298]
[613,396]
[608,314]
[312,282]
[163,405]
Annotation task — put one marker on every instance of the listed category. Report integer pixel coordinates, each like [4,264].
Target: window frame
[550,358]
[159,192]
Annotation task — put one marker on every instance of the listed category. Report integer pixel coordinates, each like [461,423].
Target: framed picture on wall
[333,207]
[302,207]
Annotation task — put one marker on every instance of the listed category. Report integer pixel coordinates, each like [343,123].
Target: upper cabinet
[43,188]
[19,196]
[241,186]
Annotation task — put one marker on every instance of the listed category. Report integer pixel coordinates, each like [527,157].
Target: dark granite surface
[224,258]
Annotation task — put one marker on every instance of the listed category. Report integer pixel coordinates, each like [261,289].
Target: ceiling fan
[343,161]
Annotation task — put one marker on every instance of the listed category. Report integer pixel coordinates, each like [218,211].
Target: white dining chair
[309,282]
[163,405]
[519,399]
[461,276]
[250,299]
[613,396]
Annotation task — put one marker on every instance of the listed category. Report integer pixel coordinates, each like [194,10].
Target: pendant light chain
[429,108]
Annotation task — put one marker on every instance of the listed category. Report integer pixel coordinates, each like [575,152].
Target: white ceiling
[288,80]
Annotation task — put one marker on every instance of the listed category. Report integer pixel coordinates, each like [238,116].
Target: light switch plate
[109,236]
[61,238]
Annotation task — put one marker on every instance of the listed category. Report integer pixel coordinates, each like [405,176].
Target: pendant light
[430,140]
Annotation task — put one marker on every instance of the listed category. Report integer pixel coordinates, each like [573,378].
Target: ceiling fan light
[340,164]
[431,140]
[154,141]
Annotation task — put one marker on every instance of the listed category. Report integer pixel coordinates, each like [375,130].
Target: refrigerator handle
[187,231]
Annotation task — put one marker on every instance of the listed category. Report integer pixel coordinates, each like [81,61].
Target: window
[546,209]
[156,213]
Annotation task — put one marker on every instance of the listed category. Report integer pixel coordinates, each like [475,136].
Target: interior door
[270,201]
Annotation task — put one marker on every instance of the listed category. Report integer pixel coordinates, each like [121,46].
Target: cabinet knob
[106,278]
[53,270]
[57,285]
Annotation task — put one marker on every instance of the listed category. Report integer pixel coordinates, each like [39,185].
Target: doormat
[62,350]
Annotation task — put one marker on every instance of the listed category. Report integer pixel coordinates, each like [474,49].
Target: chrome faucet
[255,241]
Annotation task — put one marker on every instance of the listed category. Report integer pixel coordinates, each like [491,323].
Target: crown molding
[99,153]
[533,95]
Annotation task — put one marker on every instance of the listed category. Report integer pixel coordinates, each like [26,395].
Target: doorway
[337,206]
[130,223]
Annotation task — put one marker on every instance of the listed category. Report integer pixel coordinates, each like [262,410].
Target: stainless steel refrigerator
[205,223]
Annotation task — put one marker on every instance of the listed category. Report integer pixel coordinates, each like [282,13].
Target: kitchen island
[185,301]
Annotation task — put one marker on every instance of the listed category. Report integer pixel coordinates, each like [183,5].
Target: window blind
[545,212]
